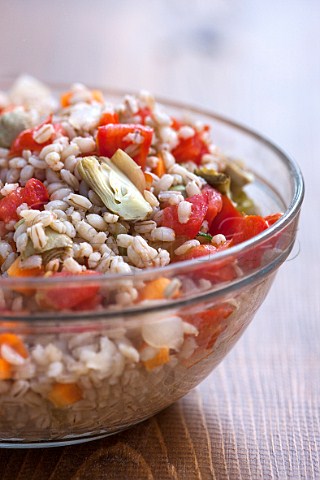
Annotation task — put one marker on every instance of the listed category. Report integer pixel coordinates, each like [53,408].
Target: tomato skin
[271,219]
[221,271]
[210,323]
[191,228]
[214,199]
[226,219]
[34,194]
[191,148]
[108,117]
[25,139]
[68,297]
[111,137]
[9,205]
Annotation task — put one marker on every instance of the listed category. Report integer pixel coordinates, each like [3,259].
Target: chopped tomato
[226,219]
[134,139]
[25,140]
[34,194]
[143,113]
[210,323]
[191,148]
[189,229]
[214,203]
[271,219]
[108,117]
[221,271]
[68,297]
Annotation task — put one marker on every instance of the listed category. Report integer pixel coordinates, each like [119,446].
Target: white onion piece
[167,332]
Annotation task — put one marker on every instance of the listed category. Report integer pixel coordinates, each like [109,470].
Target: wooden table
[257,415]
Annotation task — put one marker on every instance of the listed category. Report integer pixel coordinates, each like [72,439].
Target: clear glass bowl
[111,362]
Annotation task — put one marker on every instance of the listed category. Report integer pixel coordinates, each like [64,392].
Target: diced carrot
[161,358]
[65,99]
[155,290]
[5,370]
[64,394]
[149,180]
[15,342]
[97,95]
[160,169]
[15,270]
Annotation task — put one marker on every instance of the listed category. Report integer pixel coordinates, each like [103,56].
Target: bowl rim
[290,213]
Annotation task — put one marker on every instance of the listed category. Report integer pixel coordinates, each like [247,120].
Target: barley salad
[91,188]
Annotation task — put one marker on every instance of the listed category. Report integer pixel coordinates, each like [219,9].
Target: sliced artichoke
[129,168]
[11,124]
[218,180]
[58,245]
[239,176]
[114,188]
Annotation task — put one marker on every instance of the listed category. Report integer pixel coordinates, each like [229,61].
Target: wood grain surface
[256,416]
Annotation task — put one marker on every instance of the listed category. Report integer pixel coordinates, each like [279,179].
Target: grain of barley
[184,211]
[37,235]
[70,179]
[79,201]
[192,189]
[94,259]
[17,162]
[70,150]
[52,148]
[71,265]
[97,222]
[186,132]
[44,133]
[13,175]
[56,205]
[53,161]
[151,198]
[21,242]
[85,144]
[26,173]
[186,246]
[163,234]
[60,194]
[110,217]
[58,226]
[8,188]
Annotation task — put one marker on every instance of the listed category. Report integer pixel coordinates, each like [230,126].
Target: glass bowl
[82,375]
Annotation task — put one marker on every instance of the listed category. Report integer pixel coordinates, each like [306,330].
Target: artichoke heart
[58,245]
[218,180]
[114,188]
[11,124]
[238,174]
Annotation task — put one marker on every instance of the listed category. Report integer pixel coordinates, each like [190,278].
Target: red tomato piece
[68,297]
[34,194]
[214,199]
[25,140]
[271,219]
[226,219]
[191,148]
[108,117]
[111,137]
[210,323]
[9,205]
[143,113]
[190,229]
[221,271]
